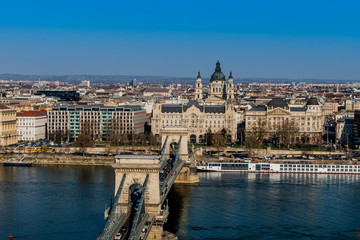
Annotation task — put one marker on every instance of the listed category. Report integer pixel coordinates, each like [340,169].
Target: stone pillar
[155,232]
[187,175]
[136,168]
[174,134]
[184,153]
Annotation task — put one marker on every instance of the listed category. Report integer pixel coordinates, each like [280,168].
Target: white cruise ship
[279,168]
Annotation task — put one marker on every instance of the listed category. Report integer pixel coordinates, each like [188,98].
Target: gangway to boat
[19,161]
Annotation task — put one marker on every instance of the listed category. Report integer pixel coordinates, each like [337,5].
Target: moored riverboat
[279,168]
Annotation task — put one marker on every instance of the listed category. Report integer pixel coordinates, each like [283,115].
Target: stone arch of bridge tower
[138,176]
[174,134]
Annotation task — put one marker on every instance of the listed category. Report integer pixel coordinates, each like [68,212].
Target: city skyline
[317,40]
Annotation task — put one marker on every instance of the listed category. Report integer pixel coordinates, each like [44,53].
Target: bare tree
[260,130]
[141,139]
[153,139]
[108,149]
[123,139]
[240,133]
[287,132]
[59,136]
[305,138]
[83,142]
[257,133]
[218,140]
[115,131]
[90,128]
[251,142]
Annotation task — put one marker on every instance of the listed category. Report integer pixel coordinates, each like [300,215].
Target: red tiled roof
[31,113]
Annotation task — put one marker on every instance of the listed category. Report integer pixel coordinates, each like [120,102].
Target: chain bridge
[142,183]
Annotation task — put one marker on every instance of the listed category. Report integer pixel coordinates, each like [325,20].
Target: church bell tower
[230,87]
[198,88]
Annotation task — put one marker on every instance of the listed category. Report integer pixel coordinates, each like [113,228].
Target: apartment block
[95,120]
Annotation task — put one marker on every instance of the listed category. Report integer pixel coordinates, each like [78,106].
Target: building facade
[352,104]
[345,130]
[199,119]
[219,89]
[95,120]
[8,134]
[330,108]
[308,121]
[156,92]
[31,125]
[206,114]
[85,83]
[357,127]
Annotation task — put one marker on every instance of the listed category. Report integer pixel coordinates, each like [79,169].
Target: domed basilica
[219,89]
[211,114]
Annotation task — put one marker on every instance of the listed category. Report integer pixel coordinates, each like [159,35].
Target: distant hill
[151,79]
[96,78]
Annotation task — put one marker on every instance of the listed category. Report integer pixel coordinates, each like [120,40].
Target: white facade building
[85,83]
[31,125]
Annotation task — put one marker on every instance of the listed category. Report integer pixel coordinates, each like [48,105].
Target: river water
[67,202]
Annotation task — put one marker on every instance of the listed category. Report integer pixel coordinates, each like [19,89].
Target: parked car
[247,160]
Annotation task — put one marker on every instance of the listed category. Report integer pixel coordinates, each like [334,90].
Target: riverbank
[62,159]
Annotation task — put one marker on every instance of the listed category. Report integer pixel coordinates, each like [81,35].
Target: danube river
[67,202]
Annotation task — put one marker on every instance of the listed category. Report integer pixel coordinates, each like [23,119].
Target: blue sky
[257,38]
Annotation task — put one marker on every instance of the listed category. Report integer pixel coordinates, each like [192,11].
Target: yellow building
[199,119]
[206,114]
[7,126]
[330,108]
[308,121]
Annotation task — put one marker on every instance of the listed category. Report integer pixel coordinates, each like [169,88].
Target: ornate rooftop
[217,75]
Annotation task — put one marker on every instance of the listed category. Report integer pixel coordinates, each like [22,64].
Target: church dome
[217,75]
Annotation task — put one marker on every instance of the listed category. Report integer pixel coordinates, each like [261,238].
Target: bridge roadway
[144,217]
